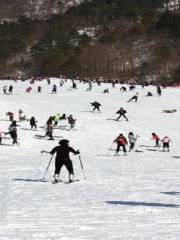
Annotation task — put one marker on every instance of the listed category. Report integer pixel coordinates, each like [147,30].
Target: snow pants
[121,145]
[97,107]
[67,163]
[121,115]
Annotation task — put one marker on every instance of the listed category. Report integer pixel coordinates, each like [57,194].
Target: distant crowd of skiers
[62,151]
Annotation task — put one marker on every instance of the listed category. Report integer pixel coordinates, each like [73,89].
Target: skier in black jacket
[13,132]
[121,113]
[135,98]
[96,105]
[33,123]
[62,158]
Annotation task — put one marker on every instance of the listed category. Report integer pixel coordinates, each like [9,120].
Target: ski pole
[82,167]
[109,148]
[47,168]
[43,151]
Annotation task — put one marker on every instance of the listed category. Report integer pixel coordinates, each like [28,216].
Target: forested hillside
[132,39]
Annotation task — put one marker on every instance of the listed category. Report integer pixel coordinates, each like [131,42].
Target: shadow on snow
[29,180]
[171,193]
[130,203]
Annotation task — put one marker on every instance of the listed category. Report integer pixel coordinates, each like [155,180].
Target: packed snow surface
[133,197]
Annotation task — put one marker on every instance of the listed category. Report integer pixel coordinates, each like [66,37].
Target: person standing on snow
[132,141]
[49,131]
[10,89]
[1,136]
[71,121]
[90,86]
[96,105]
[74,86]
[56,119]
[20,112]
[5,89]
[50,120]
[62,158]
[39,89]
[48,81]
[13,132]
[11,116]
[121,142]
[54,89]
[159,92]
[33,122]
[165,141]
[156,138]
[121,113]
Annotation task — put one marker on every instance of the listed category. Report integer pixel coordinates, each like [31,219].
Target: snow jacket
[165,140]
[121,111]
[95,104]
[62,152]
[121,140]
[155,137]
[132,138]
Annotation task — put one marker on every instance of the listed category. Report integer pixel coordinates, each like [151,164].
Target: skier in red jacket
[121,142]
[156,138]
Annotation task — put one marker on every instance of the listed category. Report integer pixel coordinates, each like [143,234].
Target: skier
[13,132]
[106,90]
[113,84]
[20,112]
[71,121]
[50,120]
[62,158]
[131,88]
[159,92]
[123,89]
[48,81]
[29,89]
[56,119]
[135,98]
[39,89]
[121,113]
[132,140]
[166,140]
[33,122]
[121,142]
[96,105]
[149,94]
[54,89]
[1,137]
[61,83]
[63,117]
[11,116]
[10,89]
[156,138]
[5,89]
[49,131]
[74,86]
[89,87]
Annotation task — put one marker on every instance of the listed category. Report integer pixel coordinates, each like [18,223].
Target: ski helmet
[63,142]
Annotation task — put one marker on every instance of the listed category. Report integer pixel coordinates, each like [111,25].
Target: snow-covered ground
[134,197]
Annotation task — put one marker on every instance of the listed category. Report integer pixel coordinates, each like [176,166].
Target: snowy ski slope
[134,197]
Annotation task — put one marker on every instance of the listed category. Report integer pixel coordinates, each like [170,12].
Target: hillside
[137,40]
[39,9]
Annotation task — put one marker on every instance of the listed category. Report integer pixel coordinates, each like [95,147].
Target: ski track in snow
[134,197]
